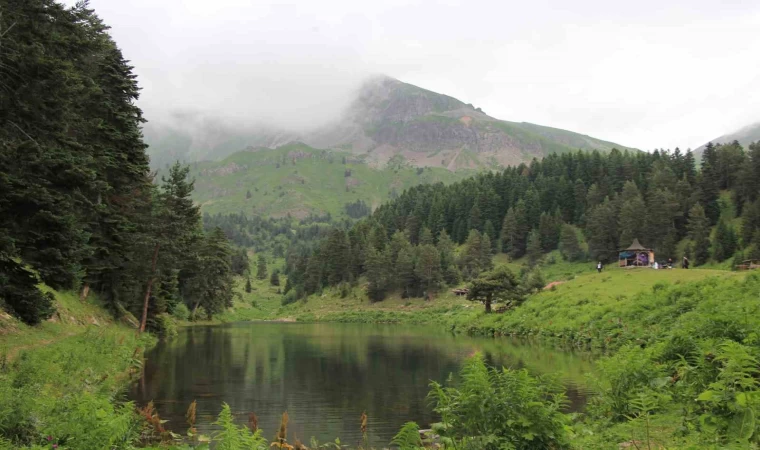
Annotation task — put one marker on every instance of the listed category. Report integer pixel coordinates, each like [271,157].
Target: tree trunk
[147,291]
[85,292]
[488,305]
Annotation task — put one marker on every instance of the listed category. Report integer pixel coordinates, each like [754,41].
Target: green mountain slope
[299,180]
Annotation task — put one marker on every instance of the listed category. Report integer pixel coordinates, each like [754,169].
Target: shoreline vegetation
[678,362]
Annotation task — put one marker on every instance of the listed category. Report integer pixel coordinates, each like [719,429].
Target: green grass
[72,317]
[593,308]
[59,381]
[316,183]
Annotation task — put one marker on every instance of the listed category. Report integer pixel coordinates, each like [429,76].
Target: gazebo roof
[636,246]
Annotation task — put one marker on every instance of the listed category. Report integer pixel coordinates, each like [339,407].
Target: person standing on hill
[599,267]
[685,263]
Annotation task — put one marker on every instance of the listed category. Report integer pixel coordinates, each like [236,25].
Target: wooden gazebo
[636,255]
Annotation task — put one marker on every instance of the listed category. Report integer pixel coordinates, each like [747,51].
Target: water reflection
[324,375]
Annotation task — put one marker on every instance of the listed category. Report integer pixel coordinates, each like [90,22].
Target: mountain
[387,118]
[745,136]
[300,180]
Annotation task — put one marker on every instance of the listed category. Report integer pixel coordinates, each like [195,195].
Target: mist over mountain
[745,136]
[386,118]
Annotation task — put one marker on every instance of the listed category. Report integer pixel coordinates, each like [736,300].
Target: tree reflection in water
[325,375]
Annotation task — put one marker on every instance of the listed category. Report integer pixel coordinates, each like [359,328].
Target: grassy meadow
[299,180]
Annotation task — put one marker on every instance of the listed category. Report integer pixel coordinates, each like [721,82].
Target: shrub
[181,312]
[290,297]
[163,325]
[198,314]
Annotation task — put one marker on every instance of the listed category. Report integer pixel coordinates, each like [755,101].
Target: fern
[232,437]
[408,438]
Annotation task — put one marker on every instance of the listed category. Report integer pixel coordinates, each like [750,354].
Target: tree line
[79,208]
[585,204]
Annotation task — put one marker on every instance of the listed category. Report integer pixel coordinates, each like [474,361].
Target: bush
[198,314]
[181,312]
[163,325]
[290,297]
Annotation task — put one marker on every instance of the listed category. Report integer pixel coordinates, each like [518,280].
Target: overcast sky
[646,73]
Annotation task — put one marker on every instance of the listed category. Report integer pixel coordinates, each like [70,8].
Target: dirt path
[13,351]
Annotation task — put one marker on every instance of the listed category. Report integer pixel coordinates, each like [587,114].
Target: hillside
[387,118]
[745,136]
[299,180]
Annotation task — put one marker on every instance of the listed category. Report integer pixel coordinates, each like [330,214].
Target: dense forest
[606,200]
[79,208]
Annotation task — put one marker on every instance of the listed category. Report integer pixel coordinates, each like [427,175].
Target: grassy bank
[61,381]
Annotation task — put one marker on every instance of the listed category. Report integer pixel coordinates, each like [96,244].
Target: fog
[645,74]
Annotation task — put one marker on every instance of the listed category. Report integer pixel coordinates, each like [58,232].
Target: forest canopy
[79,208]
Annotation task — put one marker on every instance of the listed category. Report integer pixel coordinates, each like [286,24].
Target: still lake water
[325,375]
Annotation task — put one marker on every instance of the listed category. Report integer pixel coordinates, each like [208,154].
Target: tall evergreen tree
[708,182]
[725,242]
[428,267]
[534,247]
[261,267]
[602,232]
[699,233]
[377,274]
[569,246]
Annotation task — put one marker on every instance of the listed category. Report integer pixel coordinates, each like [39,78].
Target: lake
[325,375]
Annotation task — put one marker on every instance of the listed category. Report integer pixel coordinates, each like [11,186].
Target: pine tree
[404,271]
[514,231]
[699,233]
[274,280]
[426,237]
[633,215]
[602,232]
[509,232]
[445,249]
[475,221]
[661,211]
[750,221]
[490,231]
[312,281]
[494,286]
[337,257]
[261,267]
[708,181]
[579,195]
[534,247]
[549,229]
[248,287]
[754,248]
[428,267]
[212,286]
[569,246]
[471,259]
[724,244]
[377,274]
[486,263]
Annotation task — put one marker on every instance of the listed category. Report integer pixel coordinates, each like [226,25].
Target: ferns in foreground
[232,437]
[496,409]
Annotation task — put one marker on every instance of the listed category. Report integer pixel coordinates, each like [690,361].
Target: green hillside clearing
[299,180]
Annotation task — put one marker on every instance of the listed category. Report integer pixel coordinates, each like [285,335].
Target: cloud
[646,74]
